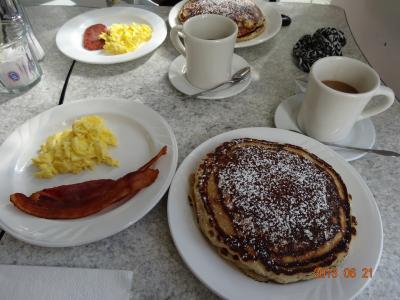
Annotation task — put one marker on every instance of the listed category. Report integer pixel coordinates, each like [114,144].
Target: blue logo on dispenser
[13,76]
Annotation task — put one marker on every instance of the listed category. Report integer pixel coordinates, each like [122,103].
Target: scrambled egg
[77,149]
[122,38]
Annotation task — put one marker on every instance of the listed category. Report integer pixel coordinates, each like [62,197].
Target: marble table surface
[146,247]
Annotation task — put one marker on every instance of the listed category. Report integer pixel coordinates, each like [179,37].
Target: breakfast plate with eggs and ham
[111,35]
[84,170]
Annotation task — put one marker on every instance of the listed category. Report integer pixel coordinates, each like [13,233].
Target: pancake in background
[245,13]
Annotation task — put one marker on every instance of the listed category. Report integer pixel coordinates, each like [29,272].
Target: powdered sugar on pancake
[238,9]
[279,197]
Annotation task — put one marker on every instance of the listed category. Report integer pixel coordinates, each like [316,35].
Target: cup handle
[387,101]
[175,34]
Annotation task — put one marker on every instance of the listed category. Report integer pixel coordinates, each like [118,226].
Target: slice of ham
[86,198]
[91,40]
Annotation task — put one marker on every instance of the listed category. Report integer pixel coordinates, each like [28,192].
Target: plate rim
[192,155]
[159,195]
[116,60]
[172,15]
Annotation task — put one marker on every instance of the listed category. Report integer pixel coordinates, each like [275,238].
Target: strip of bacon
[86,198]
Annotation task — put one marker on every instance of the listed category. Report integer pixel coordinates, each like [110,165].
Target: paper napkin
[45,283]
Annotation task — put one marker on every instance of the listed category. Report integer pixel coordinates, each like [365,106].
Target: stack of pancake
[245,13]
[274,210]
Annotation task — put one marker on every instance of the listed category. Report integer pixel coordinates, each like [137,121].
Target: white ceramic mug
[209,42]
[327,114]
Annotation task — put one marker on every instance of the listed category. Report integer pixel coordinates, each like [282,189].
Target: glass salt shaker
[19,69]
[12,10]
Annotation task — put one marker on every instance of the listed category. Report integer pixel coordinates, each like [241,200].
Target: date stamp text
[347,273]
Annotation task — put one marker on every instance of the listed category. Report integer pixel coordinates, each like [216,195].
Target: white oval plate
[273,22]
[141,132]
[69,37]
[227,281]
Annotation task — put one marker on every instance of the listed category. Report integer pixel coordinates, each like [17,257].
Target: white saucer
[176,75]
[362,135]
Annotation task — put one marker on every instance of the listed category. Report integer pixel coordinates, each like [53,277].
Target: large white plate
[227,281]
[70,35]
[141,133]
[273,22]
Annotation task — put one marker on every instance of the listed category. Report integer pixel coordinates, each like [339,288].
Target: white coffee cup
[328,114]
[209,42]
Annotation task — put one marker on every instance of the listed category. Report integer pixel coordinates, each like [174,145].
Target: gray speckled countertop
[15,110]
[146,248]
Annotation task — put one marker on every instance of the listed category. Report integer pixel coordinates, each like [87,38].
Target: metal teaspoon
[370,150]
[236,78]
